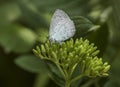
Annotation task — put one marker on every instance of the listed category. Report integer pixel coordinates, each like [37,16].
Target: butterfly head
[51,39]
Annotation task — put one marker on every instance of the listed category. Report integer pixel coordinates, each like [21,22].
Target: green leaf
[100,38]
[75,7]
[31,16]
[83,26]
[17,39]
[114,79]
[31,63]
[114,24]
[8,13]
[54,73]
[77,72]
[113,83]
[42,35]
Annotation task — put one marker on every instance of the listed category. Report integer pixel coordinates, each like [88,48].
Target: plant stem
[67,84]
[41,80]
[61,70]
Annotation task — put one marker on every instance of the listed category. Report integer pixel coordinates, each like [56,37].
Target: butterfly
[61,27]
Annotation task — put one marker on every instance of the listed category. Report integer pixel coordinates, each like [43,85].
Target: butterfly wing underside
[61,27]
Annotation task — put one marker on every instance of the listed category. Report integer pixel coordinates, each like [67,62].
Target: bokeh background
[25,23]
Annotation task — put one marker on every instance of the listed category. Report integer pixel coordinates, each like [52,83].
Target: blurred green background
[25,23]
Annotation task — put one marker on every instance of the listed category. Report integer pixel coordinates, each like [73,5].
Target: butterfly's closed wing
[62,27]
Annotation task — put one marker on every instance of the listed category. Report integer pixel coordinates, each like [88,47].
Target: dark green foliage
[25,23]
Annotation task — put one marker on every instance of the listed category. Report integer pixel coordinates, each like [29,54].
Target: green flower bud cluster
[93,67]
[69,54]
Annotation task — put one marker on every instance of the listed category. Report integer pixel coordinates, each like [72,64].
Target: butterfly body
[61,28]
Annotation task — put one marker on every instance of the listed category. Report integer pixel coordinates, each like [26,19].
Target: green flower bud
[106,68]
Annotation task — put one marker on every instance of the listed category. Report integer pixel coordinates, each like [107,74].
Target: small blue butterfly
[61,27]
